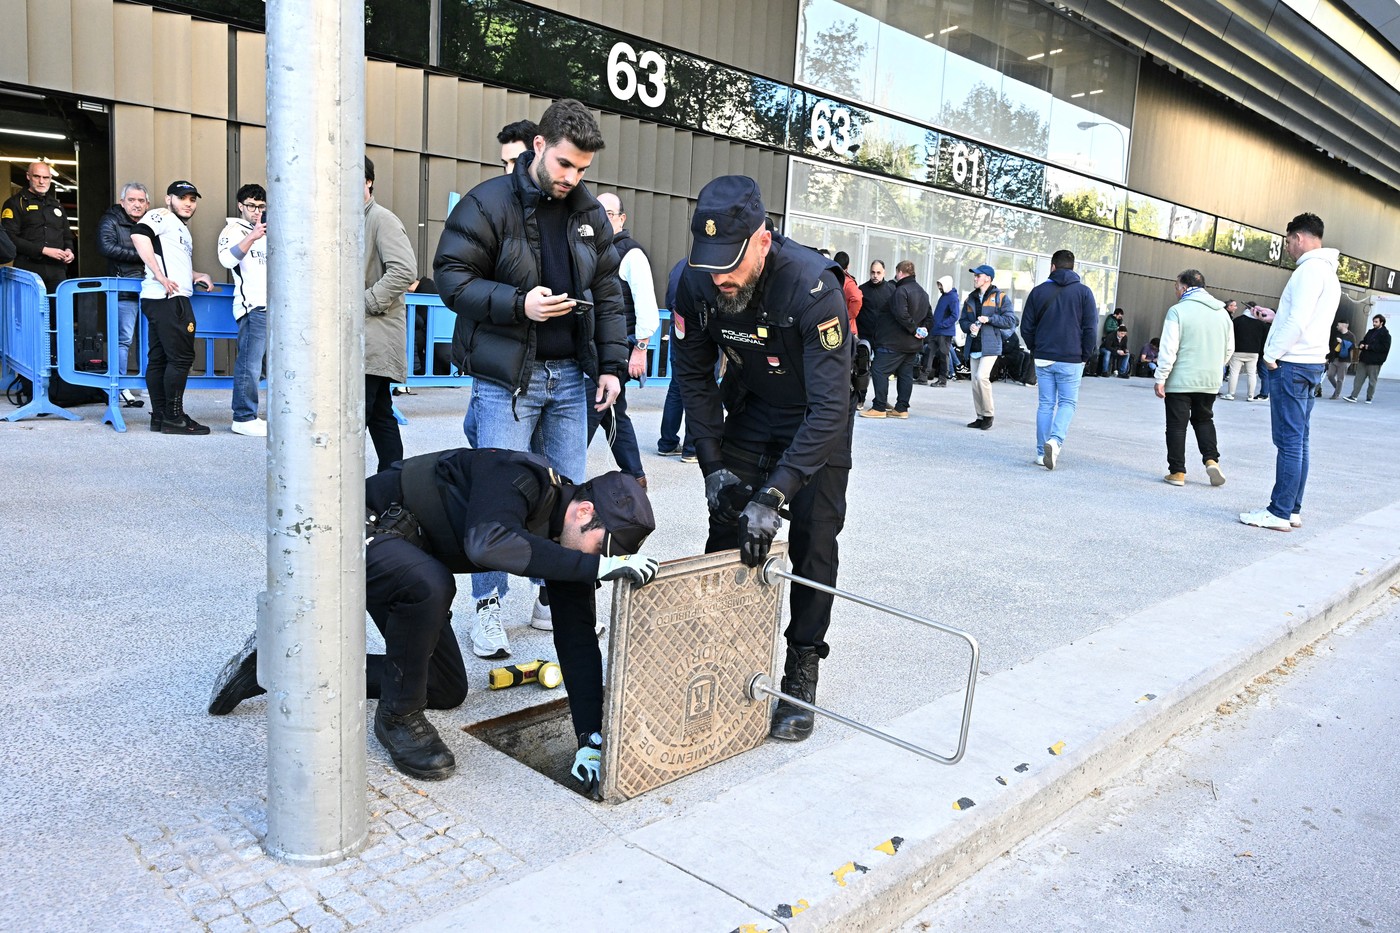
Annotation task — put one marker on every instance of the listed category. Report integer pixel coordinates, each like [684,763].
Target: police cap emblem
[709,228]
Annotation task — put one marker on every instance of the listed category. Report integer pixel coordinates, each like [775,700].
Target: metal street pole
[311,620]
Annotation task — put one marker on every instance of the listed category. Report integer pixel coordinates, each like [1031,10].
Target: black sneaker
[414,744]
[238,681]
[185,425]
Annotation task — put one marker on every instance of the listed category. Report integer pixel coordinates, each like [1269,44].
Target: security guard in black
[776,434]
[34,219]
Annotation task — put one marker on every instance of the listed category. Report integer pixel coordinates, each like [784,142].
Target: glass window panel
[908,75]
[398,29]
[1149,216]
[1016,180]
[971,98]
[1082,198]
[1354,271]
[1015,275]
[1024,118]
[1192,228]
[836,49]
[1103,282]
[1083,140]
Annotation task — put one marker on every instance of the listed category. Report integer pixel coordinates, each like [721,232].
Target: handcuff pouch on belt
[396,520]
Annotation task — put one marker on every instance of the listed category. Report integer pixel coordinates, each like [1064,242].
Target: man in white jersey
[243,250]
[166,249]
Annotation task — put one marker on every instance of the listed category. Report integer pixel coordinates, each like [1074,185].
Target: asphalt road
[1277,814]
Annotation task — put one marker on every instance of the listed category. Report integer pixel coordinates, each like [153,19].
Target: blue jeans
[1058,385]
[1290,411]
[1265,376]
[1119,363]
[556,402]
[128,308]
[247,368]
[672,414]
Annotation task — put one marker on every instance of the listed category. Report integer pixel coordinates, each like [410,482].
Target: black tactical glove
[758,524]
[719,487]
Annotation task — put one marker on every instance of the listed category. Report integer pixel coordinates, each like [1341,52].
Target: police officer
[465,511]
[35,220]
[775,309]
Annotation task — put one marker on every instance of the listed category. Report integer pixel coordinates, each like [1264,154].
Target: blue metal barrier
[29,321]
[25,346]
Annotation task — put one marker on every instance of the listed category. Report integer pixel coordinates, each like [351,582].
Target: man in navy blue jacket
[1060,329]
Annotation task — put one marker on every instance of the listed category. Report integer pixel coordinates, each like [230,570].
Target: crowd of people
[773,347]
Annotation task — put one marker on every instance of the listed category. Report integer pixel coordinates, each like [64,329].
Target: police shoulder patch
[831,334]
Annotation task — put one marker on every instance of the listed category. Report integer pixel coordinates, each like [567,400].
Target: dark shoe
[977,423]
[414,744]
[940,383]
[793,723]
[238,681]
[986,423]
[177,422]
[157,418]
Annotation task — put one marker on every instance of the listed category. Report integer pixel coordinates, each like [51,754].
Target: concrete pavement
[135,562]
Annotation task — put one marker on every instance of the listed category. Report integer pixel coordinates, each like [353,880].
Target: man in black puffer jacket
[114,242]
[899,338]
[526,262]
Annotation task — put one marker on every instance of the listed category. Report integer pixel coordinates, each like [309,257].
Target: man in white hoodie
[243,249]
[1296,354]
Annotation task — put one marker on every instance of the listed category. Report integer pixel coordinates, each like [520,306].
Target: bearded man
[776,433]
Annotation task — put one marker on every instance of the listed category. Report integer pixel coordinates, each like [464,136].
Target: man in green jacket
[1197,340]
[390,268]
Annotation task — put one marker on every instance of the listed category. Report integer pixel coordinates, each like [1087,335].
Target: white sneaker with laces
[255,428]
[488,637]
[541,617]
[1265,519]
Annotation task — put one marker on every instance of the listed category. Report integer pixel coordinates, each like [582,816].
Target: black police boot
[793,723]
[238,681]
[157,415]
[986,423]
[414,744]
[977,423]
[177,422]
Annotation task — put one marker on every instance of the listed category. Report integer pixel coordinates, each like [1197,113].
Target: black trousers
[1197,408]
[939,344]
[171,352]
[383,430]
[818,514]
[901,366]
[409,593]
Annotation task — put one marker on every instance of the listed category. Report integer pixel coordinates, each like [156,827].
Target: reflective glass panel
[1149,216]
[837,49]
[909,74]
[1192,228]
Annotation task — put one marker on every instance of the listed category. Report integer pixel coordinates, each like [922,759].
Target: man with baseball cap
[468,511]
[986,314]
[165,246]
[777,432]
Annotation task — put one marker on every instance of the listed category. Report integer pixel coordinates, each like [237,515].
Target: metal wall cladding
[683,651]
[1194,148]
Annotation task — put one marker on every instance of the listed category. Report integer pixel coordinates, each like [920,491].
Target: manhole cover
[683,650]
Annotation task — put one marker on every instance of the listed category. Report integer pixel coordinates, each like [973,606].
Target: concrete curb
[934,865]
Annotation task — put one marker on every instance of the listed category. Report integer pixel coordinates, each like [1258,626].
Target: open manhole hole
[682,653]
[541,738]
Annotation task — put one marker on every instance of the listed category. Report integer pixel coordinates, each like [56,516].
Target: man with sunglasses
[243,251]
[468,511]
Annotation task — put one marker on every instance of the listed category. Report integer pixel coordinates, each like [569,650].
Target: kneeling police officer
[467,511]
[776,434]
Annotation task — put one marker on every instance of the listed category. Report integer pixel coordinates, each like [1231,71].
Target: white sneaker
[488,638]
[1295,520]
[132,398]
[541,617]
[1040,459]
[1265,519]
[255,428]
[1052,450]
[1228,398]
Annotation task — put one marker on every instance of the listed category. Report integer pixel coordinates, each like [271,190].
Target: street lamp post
[1123,138]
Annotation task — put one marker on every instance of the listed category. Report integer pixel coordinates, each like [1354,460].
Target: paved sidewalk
[134,562]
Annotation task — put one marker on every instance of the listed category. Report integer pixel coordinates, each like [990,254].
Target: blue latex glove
[921,332]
